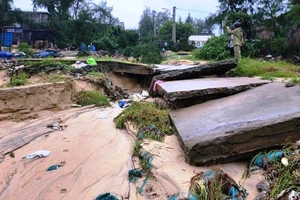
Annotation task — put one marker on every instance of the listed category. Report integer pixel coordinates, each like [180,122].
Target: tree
[293,37]
[7,16]
[146,23]
[189,19]
[59,8]
[128,38]
[76,7]
[202,26]
[103,14]
[161,18]
[183,31]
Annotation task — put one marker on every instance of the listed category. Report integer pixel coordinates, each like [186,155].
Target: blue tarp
[5,55]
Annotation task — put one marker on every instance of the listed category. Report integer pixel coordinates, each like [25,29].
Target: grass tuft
[267,70]
[18,80]
[97,74]
[85,98]
[144,114]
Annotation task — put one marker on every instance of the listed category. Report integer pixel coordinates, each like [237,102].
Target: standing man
[230,41]
[238,39]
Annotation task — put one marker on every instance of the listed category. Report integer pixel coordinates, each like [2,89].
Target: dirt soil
[97,159]
[4,78]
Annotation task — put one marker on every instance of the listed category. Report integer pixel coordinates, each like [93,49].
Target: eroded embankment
[36,97]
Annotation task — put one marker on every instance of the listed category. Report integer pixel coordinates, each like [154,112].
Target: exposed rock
[233,127]
[217,68]
[262,196]
[289,84]
[263,186]
[185,93]
[36,97]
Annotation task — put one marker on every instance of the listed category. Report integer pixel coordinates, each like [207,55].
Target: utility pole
[174,25]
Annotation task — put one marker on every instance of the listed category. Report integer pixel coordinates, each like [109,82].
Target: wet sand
[97,160]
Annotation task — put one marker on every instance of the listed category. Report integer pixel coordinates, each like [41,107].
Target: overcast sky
[129,11]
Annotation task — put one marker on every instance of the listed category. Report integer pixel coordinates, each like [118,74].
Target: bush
[150,54]
[277,46]
[214,49]
[85,98]
[24,47]
[105,43]
[145,114]
[18,79]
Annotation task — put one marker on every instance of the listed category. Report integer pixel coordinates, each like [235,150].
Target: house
[31,18]
[24,31]
[198,40]
[120,24]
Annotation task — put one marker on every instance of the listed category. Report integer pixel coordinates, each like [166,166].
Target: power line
[192,10]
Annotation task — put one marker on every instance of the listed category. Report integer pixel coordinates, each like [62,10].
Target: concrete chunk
[217,68]
[230,128]
[188,92]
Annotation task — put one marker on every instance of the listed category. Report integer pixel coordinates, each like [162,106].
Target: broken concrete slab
[233,127]
[184,93]
[217,68]
[129,68]
[168,68]
[106,66]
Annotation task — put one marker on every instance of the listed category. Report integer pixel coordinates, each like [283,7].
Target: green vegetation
[296,80]
[27,49]
[85,98]
[145,114]
[152,123]
[267,70]
[45,65]
[55,78]
[279,175]
[18,80]
[284,180]
[214,49]
[96,74]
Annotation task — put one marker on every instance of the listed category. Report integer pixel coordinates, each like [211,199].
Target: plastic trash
[145,93]
[91,61]
[124,104]
[156,83]
[106,196]
[76,106]
[53,167]
[262,159]
[38,154]
[79,65]
[54,126]
[201,187]
[284,161]
[134,174]
[5,55]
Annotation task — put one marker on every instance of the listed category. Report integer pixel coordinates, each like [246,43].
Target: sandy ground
[4,78]
[97,160]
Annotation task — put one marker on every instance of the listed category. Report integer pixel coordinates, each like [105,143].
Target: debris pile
[282,171]
[215,184]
